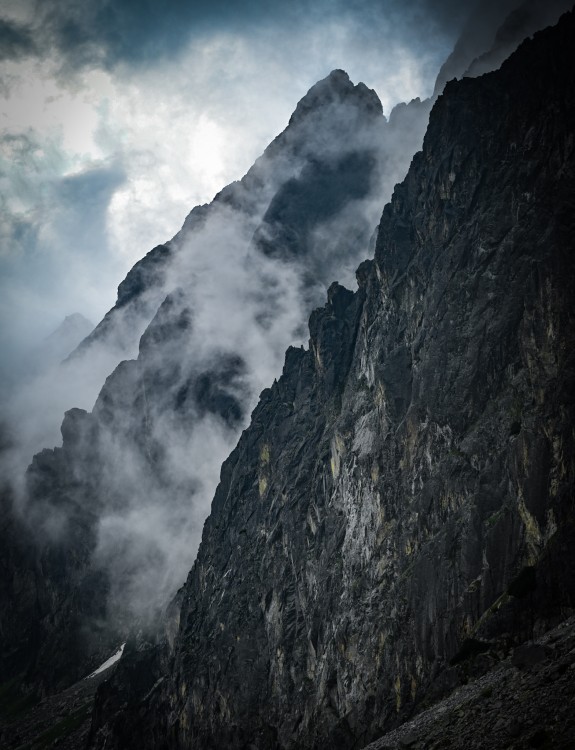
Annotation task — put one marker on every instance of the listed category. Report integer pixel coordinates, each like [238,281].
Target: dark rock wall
[406,488]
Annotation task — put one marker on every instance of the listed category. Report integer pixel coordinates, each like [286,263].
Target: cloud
[107,33]
[16,40]
[54,239]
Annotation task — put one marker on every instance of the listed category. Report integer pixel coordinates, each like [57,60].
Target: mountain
[38,360]
[108,524]
[64,340]
[494,30]
[334,123]
[199,328]
[400,509]
[405,479]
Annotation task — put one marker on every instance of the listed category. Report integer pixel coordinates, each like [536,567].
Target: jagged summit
[58,344]
[522,22]
[337,88]
[334,119]
[75,322]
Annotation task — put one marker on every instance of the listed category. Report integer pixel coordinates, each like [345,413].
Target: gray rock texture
[402,500]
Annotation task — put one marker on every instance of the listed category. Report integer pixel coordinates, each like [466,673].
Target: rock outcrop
[402,500]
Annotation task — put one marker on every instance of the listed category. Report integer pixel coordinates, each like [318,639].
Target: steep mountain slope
[337,119]
[403,497]
[511,698]
[112,518]
[334,122]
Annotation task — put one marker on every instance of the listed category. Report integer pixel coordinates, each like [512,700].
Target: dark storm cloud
[16,40]
[108,32]
[100,32]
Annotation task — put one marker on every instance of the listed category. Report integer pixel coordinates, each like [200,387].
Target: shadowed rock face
[404,493]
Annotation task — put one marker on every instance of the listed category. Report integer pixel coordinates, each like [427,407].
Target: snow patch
[108,663]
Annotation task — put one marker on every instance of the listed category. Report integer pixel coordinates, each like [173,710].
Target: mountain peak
[337,88]
[74,326]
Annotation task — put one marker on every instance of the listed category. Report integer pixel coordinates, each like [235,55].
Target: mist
[156,397]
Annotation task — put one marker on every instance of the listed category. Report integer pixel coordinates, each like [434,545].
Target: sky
[118,116]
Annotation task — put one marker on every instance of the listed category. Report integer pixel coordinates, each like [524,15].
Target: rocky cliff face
[403,496]
[112,518]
